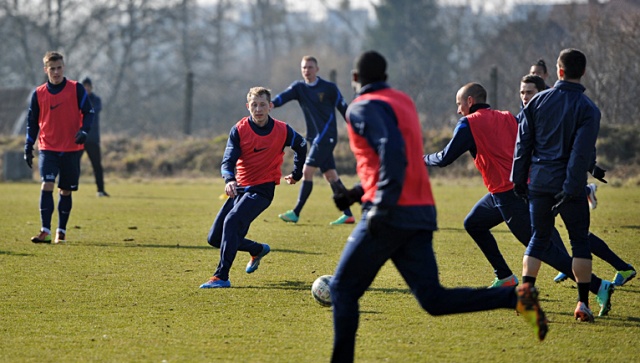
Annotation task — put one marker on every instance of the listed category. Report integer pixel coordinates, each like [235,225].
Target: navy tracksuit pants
[412,253]
[232,225]
[493,209]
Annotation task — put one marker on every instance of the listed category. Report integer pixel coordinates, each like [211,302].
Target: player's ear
[354,76]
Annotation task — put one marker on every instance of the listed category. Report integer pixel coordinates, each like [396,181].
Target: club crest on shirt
[320,96]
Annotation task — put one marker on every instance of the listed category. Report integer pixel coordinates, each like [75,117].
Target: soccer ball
[320,290]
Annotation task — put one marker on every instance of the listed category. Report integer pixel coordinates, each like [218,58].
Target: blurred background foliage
[173,74]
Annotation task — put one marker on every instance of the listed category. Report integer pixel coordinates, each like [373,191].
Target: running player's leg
[324,159]
[214,238]
[600,249]
[306,187]
[542,224]
[236,226]
[515,212]
[361,259]
[416,262]
[575,215]
[481,219]
[331,176]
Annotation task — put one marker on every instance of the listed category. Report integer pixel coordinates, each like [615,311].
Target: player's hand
[598,173]
[81,137]
[376,219]
[289,179]
[521,191]
[562,198]
[230,188]
[28,154]
[344,198]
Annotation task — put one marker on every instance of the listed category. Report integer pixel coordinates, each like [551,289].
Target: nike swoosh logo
[258,150]
[53,107]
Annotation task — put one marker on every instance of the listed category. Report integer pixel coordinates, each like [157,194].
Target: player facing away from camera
[60,116]
[530,85]
[251,170]
[489,136]
[554,149]
[399,215]
[318,99]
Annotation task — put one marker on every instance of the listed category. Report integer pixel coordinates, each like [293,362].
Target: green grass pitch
[124,288]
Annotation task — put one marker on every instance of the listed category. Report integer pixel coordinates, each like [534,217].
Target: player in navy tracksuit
[399,215]
[251,168]
[530,85]
[92,145]
[318,99]
[554,150]
[489,135]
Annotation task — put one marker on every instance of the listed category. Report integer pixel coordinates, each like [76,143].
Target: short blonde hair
[52,56]
[310,58]
[259,91]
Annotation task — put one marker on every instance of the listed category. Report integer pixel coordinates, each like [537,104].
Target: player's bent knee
[433,302]
[214,242]
[581,251]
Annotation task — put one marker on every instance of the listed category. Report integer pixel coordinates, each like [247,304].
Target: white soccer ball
[320,290]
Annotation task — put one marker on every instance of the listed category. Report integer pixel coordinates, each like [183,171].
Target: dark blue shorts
[321,156]
[67,164]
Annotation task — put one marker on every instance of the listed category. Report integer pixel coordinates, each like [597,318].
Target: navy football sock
[305,191]
[601,250]
[46,208]
[64,209]
[583,292]
[529,279]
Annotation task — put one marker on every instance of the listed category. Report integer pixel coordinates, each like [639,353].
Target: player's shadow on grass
[566,318]
[462,230]
[306,285]
[155,197]
[20,254]
[129,244]
[286,285]
[451,229]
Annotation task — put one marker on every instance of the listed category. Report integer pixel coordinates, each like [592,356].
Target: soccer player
[60,117]
[399,215]
[539,69]
[530,85]
[489,136]
[251,170]
[92,145]
[318,99]
[555,145]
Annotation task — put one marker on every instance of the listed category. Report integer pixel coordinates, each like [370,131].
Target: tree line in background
[157,63]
